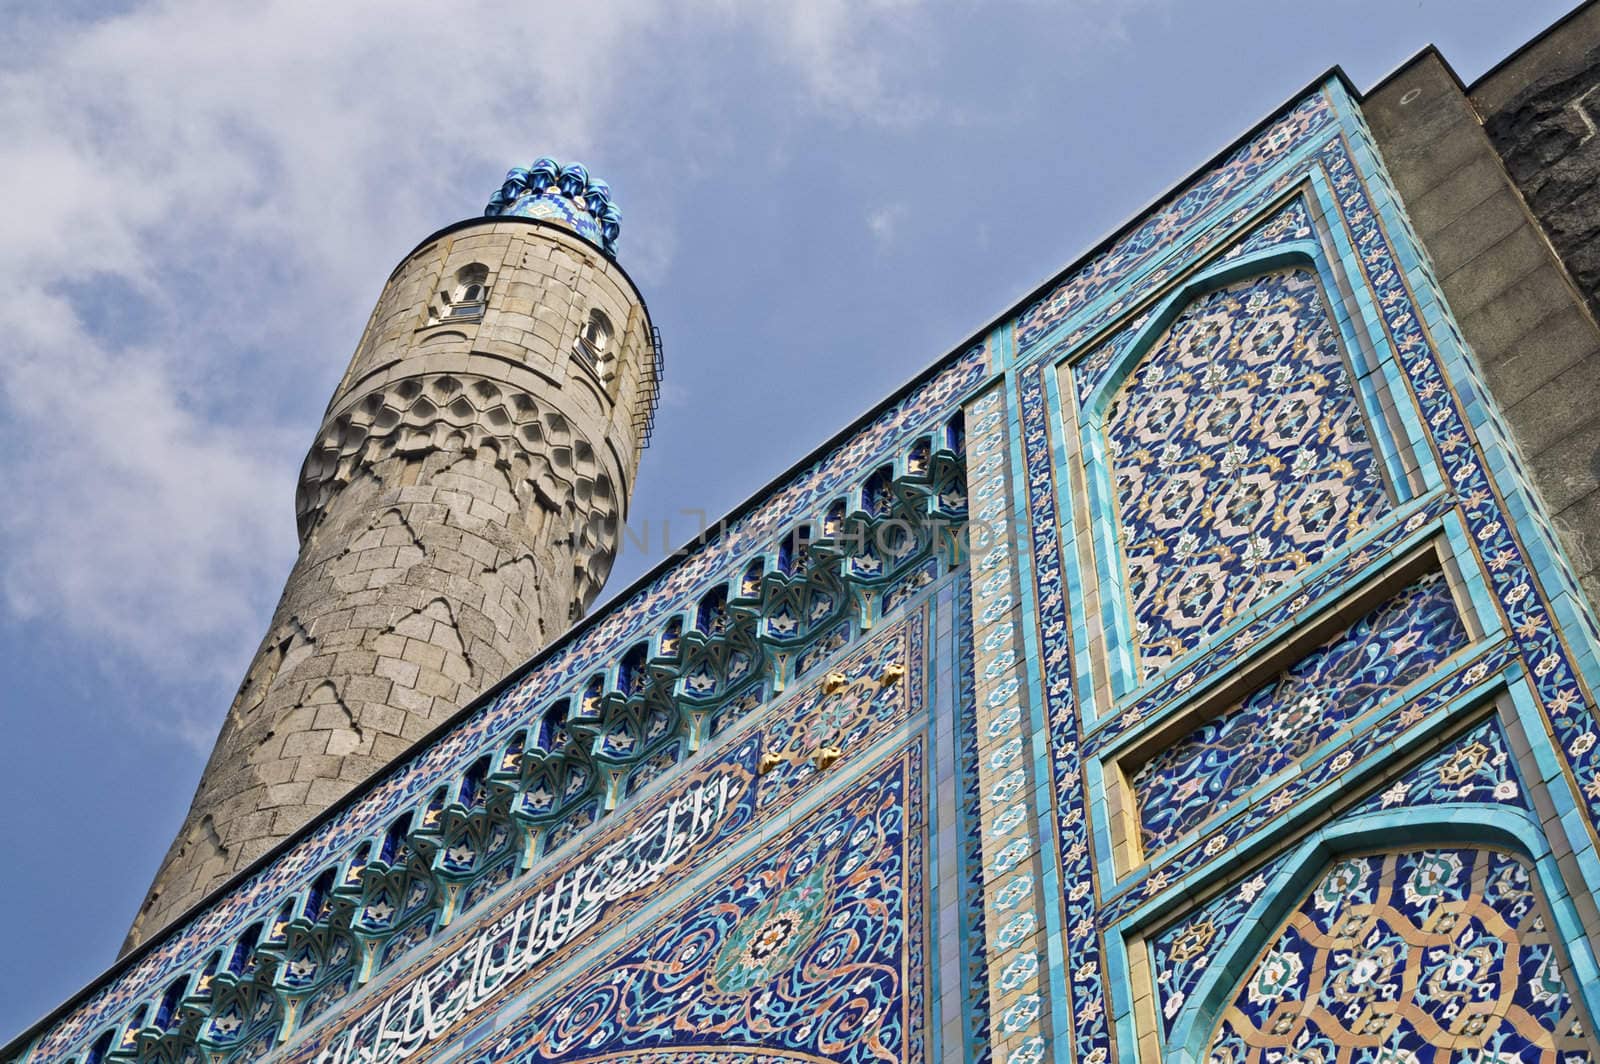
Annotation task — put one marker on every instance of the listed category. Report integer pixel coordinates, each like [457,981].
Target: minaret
[459,508]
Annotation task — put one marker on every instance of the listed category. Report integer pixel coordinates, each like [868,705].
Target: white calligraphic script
[416,1013]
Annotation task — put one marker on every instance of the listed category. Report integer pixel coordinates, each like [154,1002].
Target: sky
[200,201]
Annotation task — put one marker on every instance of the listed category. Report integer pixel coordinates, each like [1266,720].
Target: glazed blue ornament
[565,195]
[542,174]
[574,179]
[516,181]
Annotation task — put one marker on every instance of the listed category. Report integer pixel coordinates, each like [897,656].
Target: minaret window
[594,340]
[466,299]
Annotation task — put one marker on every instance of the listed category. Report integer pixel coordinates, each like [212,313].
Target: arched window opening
[466,298]
[594,339]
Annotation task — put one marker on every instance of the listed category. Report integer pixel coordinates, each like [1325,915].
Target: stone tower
[459,508]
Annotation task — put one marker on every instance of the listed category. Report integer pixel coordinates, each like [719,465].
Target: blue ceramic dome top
[566,195]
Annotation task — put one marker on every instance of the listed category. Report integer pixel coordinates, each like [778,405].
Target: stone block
[1570,468]
[282,794]
[424,654]
[1516,311]
[1558,409]
[1560,342]
[401,672]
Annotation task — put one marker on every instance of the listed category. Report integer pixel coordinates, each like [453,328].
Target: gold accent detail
[834,682]
[824,756]
[892,674]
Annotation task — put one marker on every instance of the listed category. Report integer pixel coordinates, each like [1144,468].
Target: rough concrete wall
[459,508]
[1531,330]
[1542,112]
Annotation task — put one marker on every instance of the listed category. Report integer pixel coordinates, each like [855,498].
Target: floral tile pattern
[1339,167]
[1292,222]
[1239,456]
[1305,706]
[1439,955]
[975,1030]
[1180,955]
[1477,767]
[813,948]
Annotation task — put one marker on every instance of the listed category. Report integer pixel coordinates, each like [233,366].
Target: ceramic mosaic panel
[1305,706]
[815,936]
[1477,768]
[698,815]
[1316,787]
[813,949]
[1289,224]
[1239,457]
[1440,955]
[1354,230]
[1268,626]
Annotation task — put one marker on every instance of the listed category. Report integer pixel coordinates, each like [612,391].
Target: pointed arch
[1444,829]
[1231,451]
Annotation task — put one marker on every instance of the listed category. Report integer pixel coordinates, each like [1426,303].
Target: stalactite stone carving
[459,507]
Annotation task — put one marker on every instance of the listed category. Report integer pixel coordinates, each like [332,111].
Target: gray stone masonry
[1541,111]
[1530,327]
[459,508]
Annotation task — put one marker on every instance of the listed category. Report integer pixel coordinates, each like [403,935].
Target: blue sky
[199,204]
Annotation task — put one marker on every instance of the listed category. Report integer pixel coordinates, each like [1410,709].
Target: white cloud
[853,54]
[199,200]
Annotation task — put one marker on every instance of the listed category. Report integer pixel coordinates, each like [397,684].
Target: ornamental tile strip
[1014,939]
[1084,955]
[1176,220]
[975,1026]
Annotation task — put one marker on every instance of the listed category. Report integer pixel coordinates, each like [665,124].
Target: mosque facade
[1198,663]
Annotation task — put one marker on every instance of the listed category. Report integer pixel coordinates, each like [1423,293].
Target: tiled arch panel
[1239,456]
